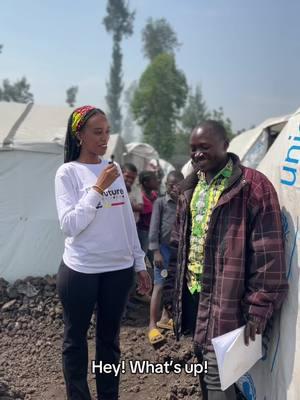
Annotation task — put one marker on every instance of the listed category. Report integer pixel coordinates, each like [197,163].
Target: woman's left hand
[144,282]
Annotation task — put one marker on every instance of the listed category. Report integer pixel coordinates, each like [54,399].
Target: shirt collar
[168,197]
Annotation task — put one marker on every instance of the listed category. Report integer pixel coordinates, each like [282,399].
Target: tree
[119,22]
[158,37]
[218,115]
[18,92]
[129,126]
[71,95]
[1,47]
[195,111]
[157,101]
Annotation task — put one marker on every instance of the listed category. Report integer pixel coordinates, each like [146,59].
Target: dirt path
[30,361]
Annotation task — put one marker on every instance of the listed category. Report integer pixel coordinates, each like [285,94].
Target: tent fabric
[31,150]
[10,114]
[187,169]
[140,154]
[244,141]
[42,129]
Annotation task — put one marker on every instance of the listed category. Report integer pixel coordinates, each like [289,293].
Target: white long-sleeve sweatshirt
[100,229]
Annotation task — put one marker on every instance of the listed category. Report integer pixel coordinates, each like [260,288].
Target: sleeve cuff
[140,267]
[92,198]
[153,246]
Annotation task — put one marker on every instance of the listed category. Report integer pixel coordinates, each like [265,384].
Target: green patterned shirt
[205,198]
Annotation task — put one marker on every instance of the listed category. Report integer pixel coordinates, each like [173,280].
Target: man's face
[129,178]
[208,149]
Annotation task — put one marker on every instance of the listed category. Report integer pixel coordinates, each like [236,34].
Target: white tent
[140,154]
[277,375]
[145,157]
[31,150]
[252,145]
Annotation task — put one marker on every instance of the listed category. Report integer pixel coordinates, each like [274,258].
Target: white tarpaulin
[146,158]
[140,154]
[277,375]
[31,150]
[242,143]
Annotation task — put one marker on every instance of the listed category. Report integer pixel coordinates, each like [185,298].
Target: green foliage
[128,126]
[18,92]
[218,115]
[157,102]
[71,95]
[195,111]
[114,90]
[158,37]
[119,22]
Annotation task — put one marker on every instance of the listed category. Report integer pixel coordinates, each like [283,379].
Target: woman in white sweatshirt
[101,253]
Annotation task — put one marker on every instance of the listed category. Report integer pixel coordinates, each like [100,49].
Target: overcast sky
[245,54]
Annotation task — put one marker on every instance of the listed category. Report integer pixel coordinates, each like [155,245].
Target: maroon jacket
[244,270]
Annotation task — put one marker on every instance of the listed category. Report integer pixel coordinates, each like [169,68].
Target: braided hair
[72,146]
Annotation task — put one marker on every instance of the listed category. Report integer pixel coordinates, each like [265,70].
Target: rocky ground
[31,331]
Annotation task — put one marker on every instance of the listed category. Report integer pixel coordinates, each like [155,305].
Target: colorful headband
[78,117]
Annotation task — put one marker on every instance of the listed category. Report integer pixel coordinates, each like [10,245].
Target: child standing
[149,185]
[162,221]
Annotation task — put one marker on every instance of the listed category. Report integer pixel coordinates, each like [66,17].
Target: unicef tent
[277,375]
[31,150]
[252,145]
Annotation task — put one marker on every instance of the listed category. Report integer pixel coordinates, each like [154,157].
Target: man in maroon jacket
[227,267]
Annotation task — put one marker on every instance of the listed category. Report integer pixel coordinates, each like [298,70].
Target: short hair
[214,127]
[146,176]
[177,175]
[129,167]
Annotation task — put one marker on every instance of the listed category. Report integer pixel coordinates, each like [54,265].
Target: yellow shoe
[155,336]
[166,325]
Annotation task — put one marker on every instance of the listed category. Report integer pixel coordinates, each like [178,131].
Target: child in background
[162,221]
[149,185]
[134,192]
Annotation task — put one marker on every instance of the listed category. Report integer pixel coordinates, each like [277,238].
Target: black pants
[209,382]
[79,293]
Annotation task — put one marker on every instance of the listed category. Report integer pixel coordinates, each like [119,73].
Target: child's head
[173,179]
[148,180]
[129,174]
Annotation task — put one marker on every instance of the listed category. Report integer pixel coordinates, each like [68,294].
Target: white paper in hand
[234,357]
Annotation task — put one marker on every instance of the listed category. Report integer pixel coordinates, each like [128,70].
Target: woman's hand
[144,282]
[108,176]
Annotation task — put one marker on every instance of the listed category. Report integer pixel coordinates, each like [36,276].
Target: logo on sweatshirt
[111,198]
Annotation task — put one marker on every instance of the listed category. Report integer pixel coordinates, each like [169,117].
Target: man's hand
[158,259]
[255,325]
[144,282]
